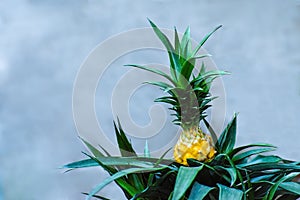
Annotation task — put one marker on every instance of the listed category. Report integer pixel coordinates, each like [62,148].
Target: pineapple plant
[189,95]
[203,166]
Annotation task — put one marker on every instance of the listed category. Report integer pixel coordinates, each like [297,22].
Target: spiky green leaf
[164,86]
[95,151]
[227,139]
[261,159]
[271,194]
[291,186]
[250,153]
[177,42]
[125,146]
[117,176]
[199,191]
[226,193]
[185,42]
[231,171]
[204,40]
[155,71]
[212,133]
[241,148]
[184,179]
[272,166]
[81,164]
[174,58]
[189,65]
[146,150]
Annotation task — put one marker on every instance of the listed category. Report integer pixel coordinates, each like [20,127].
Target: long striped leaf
[184,179]
[250,153]
[117,176]
[227,139]
[174,58]
[155,71]
[204,40]
[241,148]
[226,193]
[291,186]
[199,191]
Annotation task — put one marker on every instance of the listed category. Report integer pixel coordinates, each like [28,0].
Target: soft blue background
[43,43]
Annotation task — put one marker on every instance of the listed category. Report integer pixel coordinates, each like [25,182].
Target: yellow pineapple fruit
[193,144]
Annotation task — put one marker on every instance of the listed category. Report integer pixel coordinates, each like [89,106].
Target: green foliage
[229,193]
[226,141]
[184,179]
[235,173]
[199,191]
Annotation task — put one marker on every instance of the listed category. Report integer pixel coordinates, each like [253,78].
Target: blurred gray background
[43,43]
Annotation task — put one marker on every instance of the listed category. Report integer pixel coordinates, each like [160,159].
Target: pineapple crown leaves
[182,57]
[189,95]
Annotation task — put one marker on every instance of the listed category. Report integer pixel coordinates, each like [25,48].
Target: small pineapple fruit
[193,144]
[188,95]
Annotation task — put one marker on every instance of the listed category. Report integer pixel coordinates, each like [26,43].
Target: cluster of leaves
[235,173]
[188,94]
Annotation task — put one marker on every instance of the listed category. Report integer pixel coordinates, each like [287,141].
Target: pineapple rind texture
[193,143]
